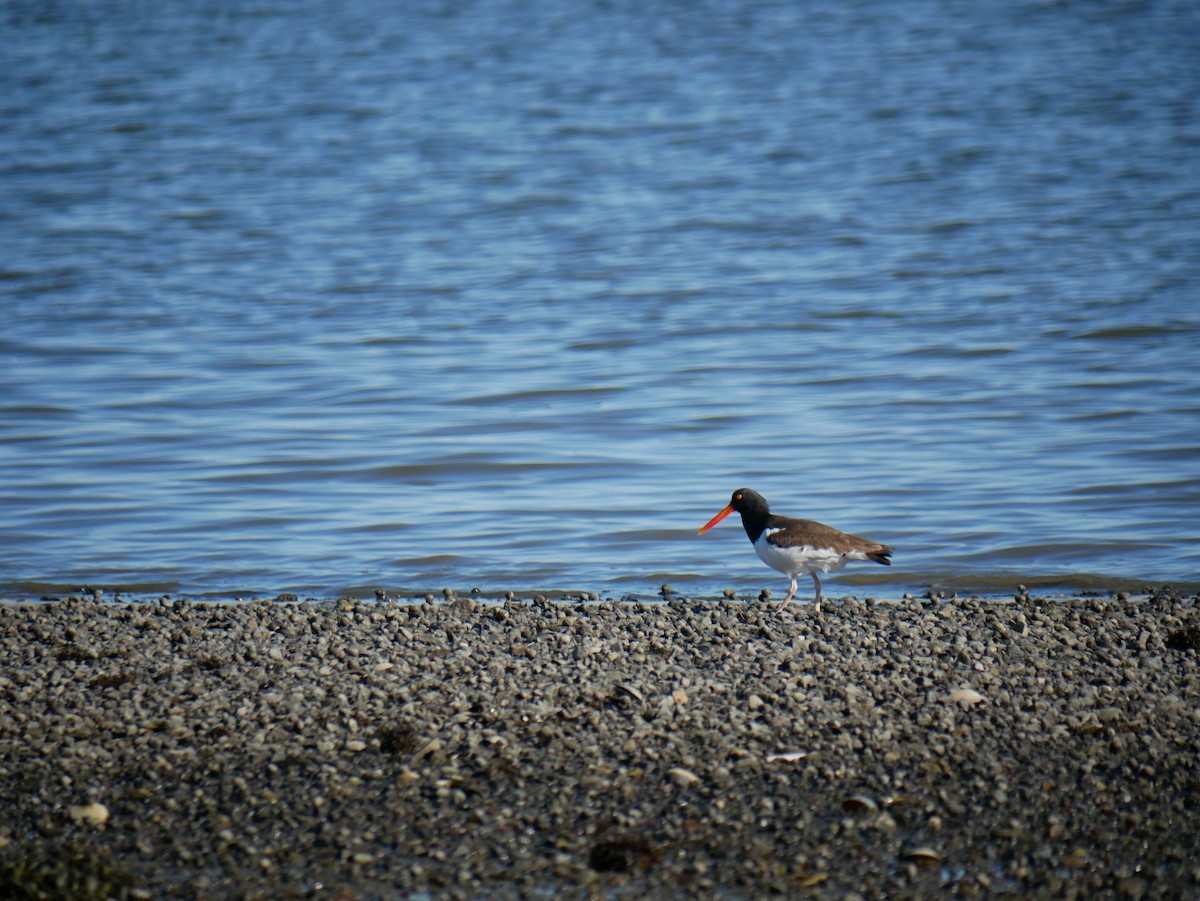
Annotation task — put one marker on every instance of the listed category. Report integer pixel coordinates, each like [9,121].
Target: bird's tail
[883,555]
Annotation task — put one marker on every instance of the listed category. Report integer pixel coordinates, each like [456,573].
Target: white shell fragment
[965,697]
[94,814]
[683,778]
[923,856]
[631,691]
[786,757]
[856,803]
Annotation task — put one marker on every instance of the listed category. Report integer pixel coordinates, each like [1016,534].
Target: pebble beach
[681,748]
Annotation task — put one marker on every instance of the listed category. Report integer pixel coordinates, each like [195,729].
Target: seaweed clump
[1184,639]
[64,873]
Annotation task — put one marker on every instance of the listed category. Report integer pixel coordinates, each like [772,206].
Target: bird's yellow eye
[737,497]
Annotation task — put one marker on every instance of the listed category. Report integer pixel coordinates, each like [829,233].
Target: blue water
[322,297]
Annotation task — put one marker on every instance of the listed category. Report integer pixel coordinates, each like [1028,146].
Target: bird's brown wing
[810,533]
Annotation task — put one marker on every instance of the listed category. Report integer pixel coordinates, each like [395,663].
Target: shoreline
[848,586]
[654,748]
[1146,591]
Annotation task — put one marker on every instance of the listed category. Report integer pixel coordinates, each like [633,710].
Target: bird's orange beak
[716,519]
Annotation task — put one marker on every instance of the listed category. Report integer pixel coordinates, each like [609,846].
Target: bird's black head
[747,500]
[753,508]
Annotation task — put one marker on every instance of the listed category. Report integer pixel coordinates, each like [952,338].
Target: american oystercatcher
[796,546]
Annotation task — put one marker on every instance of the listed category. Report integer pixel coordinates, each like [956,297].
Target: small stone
[465,604]
[1077,859]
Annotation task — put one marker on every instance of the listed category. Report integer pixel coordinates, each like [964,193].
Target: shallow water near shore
[321,300]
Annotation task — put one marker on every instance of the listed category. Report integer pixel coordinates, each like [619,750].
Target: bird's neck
[754,521]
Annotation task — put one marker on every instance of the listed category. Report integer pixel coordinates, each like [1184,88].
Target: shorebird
[795,546]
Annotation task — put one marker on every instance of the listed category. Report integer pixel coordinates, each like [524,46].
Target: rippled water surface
[325,297]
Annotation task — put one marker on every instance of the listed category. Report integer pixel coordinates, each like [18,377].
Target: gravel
[708,748]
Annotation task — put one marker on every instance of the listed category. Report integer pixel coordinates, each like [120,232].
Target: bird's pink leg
[791,591]
[817,582]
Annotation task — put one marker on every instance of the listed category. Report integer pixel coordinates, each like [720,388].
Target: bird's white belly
[802,559]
